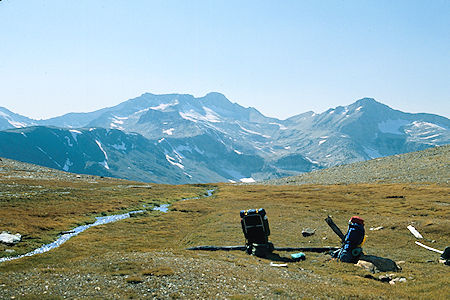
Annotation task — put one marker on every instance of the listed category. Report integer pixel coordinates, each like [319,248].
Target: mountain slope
[114,153]
[8,119]
[427,166]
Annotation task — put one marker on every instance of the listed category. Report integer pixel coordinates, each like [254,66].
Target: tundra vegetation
[144,256]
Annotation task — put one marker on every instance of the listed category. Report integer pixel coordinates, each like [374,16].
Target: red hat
[356,219]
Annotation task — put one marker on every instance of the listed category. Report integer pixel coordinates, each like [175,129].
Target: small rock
[10,239]
[10,250]
[278,265]
[308,231]
[401,262]
[376,228]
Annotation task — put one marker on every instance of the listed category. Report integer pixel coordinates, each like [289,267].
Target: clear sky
[281,57]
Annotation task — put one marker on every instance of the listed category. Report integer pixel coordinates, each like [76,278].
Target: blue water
[98,221]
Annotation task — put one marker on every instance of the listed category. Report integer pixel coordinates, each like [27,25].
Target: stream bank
[164,208]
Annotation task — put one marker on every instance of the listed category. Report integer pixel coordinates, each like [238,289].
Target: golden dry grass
[145,254]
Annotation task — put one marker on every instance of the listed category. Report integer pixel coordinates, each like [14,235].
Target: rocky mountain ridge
[177,138]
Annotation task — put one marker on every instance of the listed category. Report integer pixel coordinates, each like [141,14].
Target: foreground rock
[10,239]
[375,264]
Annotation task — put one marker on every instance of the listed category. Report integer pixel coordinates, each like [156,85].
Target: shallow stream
[99,221]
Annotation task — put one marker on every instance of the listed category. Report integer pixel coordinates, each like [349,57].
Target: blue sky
[281,57]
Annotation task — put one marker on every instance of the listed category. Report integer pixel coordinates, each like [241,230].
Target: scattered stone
[376,228]
[278,265]
[10,250]
[78,176]
[10,239]
[398,279]
[308,232]
[401,262]
[367,266]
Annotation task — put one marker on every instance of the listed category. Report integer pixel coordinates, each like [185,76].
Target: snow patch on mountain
[75,133]
[101,148]
[282,127]
[173,161]
[67,165]
[427,125]
[311,161]
[17,124]
[168,131]
[253,132]
[247,180]
[194,116]
[211,116]
[164,106]
[122,146]
[104,164]
[68,141]
[117,122]
[240,153]
[392,126]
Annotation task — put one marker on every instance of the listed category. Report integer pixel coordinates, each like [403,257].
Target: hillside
[427,166]
[144,256]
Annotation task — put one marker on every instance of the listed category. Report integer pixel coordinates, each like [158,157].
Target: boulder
[10,239]
[381,264]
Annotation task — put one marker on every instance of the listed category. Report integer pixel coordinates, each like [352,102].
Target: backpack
[255,227]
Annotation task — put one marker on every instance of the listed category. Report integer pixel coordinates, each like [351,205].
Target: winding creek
[99,221]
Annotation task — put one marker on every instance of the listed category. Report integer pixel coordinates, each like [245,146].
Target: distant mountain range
[178,138]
